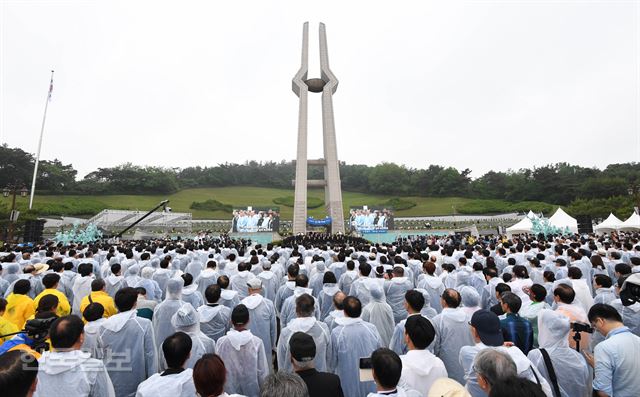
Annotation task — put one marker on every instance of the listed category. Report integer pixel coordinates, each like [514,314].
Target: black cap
[561,261]
[302,347]
[487,324]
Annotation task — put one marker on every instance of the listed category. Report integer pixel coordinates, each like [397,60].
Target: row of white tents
[563,220]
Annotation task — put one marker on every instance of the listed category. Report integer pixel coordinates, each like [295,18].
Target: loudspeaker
[585,224]
[33,231]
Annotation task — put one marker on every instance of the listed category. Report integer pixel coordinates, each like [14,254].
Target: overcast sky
[477,84]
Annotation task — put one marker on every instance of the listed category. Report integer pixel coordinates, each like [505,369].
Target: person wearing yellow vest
[99,295]
[20,306]
[50,282]
[6,326]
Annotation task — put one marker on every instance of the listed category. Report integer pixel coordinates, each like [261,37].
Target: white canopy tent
[523,226]
[610,224]
[633,223]
[563,220]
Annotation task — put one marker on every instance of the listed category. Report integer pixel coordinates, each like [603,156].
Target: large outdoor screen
[367,219]
[256,219]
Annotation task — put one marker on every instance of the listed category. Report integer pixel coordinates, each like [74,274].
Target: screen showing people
[254,219]
[371,219]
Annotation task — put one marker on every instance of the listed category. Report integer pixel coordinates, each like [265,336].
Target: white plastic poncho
[360,288]
[151,286]
[131,352]
[288,312]
[395,289]
[187,320]
[245,360]
[72,373]
[229,298]
[380,314]
[270,283]
[207,277]
[312,327]
[215,320]
[427,311]
[325,299]
[434,286]
[452,333]
[174,385]
[262,320]
[351,340]
[470,300]
[570,367]
[191,295]
[163,312]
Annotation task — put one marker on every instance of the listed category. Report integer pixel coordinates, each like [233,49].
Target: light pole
[634,192]
[13,217]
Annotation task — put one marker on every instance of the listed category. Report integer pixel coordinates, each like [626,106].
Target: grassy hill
[245,196]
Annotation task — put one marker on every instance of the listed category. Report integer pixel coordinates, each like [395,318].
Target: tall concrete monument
[327,85]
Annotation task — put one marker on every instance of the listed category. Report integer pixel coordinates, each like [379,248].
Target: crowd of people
[323,315]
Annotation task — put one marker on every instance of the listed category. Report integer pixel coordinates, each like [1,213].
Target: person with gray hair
[492,366]
[284,384]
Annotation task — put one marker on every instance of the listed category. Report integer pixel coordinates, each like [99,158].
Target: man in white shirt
[420,367]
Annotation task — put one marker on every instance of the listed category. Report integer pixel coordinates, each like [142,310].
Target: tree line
[559,183]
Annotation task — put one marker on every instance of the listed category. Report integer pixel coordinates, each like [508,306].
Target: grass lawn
[242,197]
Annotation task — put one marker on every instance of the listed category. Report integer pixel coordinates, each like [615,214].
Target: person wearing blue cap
[487,334]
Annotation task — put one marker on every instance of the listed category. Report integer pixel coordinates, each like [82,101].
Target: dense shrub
[398,204]
[499,206]
[211,205]
[288,201]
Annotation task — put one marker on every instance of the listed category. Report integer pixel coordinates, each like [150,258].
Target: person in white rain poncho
[581,288]
[115,281]
[470,300]
[351,340]
[427,311]
[243,355]
[325,297]
[317,277]
[338,312]
[132,278]
[286,290]
[208,276]
[92,344]
[569,367]
[228,297]
[129,343]
[238,282]
[162,276]
[177,380]
[162,313]
[288,311]
[420,368]
[361,286]
[394,290]
[81,286]
[67,371]
[187,320]
[413,302]
[432,284]
[307,323]
[262,314]
[151,286]
[379,313]
[215,319]
[190,292]
[630,314]
[452,333]
[345,281]
[270,282]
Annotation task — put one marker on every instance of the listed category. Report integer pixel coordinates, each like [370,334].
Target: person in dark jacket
[303,352]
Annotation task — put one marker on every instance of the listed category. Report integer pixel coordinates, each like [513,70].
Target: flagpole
[44,119]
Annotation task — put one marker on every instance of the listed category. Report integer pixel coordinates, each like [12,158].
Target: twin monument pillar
[327,85]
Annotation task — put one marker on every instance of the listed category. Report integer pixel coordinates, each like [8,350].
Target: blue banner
[319,222]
